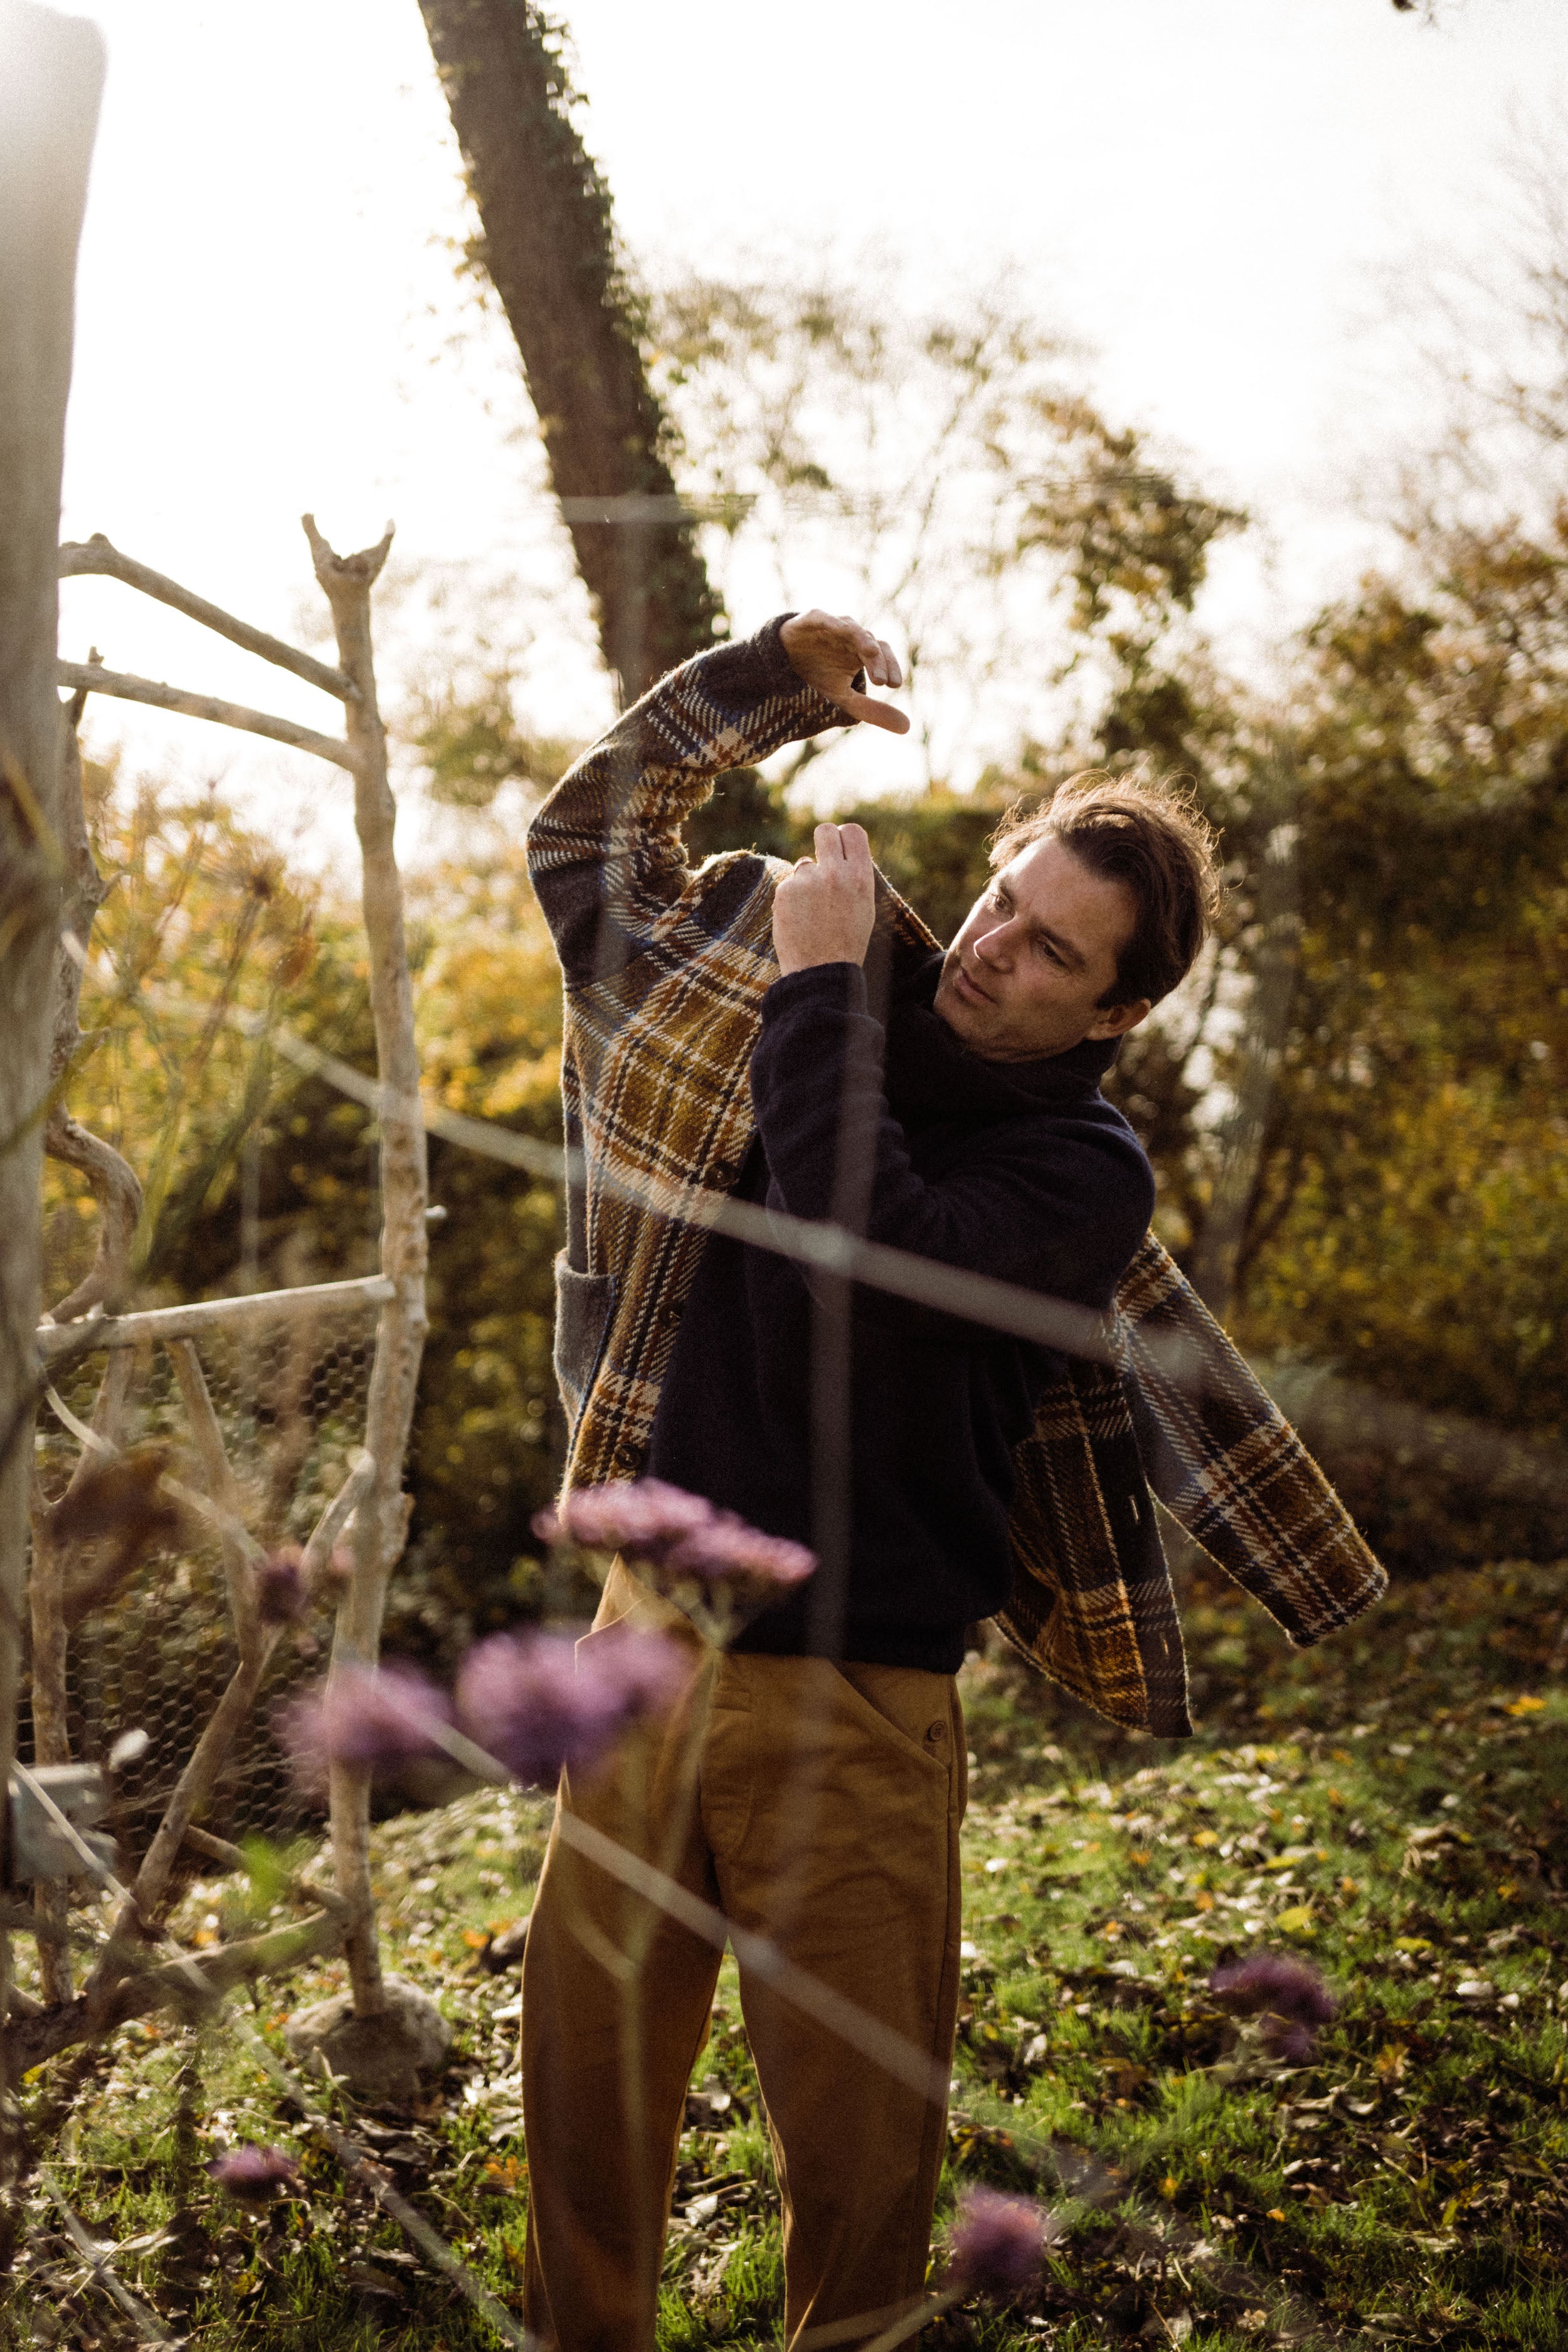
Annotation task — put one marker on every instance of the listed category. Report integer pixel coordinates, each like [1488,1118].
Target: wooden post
[381,1523]
[48,114]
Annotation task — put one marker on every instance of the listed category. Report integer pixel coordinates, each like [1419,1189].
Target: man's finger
[857,845]
[828,843]
[875,714]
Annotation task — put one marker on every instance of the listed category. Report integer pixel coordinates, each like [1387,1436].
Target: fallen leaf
[1298,1921]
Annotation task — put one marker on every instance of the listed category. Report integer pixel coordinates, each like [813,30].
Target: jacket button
[626,1458]
[936,1732]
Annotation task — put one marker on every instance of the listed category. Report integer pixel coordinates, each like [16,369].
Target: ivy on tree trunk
[549,246]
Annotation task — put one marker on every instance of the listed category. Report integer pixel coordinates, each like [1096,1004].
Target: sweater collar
[929,1069]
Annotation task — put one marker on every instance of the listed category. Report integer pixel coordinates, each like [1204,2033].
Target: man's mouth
[967,987]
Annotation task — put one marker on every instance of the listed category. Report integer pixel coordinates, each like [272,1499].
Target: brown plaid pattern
[664,970]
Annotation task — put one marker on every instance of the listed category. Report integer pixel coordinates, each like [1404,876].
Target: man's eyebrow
[1064,946]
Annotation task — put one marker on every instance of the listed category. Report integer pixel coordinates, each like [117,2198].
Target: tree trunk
[549,245]
[49,113]
[1276,965]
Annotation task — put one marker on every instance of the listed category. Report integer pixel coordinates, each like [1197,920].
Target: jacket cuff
[757,668]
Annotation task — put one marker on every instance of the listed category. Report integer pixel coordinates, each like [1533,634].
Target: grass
[1391,1806]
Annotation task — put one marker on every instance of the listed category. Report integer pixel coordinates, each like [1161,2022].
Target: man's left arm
[605,850]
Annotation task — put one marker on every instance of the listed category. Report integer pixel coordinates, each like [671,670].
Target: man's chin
[949,1006]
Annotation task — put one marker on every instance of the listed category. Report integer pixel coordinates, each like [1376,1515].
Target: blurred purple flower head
[536,1704]
[728,1549]
[375,1716]
[643,1517]
[255,2174]
[676,1536]
[1274,1984]
[1293,2044]
[281,1588]
[998,2243]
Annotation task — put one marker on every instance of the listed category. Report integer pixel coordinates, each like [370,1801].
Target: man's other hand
[824,911]
[830,651]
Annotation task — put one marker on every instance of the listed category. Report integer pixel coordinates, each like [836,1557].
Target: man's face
[1037,950]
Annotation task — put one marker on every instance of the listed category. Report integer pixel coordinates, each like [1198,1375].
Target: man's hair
[1152,838]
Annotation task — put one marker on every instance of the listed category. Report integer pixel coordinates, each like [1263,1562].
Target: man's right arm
[604,852]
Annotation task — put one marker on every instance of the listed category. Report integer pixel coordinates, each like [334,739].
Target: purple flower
[1293,2044]
[998,2243]
[642,1517]
[1274,1984]
[281,1594]
[536,1704]
[253,2174]
[726,1549]
[677,1538]
[375,1716]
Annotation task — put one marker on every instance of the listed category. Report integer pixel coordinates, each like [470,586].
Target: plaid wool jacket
[664,970]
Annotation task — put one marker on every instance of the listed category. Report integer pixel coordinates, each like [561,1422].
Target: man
[796,1039]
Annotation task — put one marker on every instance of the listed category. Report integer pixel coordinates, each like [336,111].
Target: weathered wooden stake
[381,1524]
[48,114]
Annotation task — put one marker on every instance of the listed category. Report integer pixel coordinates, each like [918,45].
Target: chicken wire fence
[154,1654]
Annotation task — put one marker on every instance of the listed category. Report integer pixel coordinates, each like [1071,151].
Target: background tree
[549,248]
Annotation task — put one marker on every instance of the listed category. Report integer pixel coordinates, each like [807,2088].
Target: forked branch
[95,556]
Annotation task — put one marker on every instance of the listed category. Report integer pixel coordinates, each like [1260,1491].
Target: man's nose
[994,947]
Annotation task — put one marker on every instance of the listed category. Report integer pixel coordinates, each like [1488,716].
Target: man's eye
[1044,947]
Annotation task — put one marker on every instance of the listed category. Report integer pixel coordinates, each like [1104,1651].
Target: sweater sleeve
[1056,1202]
[604,851]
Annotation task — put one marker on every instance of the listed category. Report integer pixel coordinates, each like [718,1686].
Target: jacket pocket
[582,1303]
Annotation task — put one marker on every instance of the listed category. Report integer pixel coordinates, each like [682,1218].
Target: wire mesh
[155,1654]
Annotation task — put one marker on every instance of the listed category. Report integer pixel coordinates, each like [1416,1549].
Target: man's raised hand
[825,911]
[830,650]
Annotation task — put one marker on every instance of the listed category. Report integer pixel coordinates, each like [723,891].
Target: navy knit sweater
[1021,1171]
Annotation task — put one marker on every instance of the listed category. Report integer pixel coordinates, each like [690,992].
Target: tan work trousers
[814,1804]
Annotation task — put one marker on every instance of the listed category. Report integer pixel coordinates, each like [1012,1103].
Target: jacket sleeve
[604,852]
[1054,1206]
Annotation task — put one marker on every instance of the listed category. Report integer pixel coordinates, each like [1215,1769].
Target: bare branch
[95,555]
[28,2040]
[89,677]
[114,1184]
[303,1890]
[165,1323]
[221,1485]
[191,1792]
[317,1551]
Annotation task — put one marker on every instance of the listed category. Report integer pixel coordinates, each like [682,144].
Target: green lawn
[1392,1807]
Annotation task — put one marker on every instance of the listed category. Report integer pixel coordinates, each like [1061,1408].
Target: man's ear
[1116,1020]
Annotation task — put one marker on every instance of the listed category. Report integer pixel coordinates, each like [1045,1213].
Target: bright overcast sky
[1209,192]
